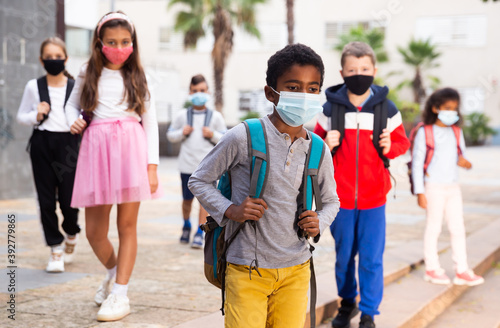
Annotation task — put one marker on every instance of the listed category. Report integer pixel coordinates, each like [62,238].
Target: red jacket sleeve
[319,130]
[399,142]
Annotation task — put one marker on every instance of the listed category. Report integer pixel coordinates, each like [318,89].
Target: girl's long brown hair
[60,43]
[134,79]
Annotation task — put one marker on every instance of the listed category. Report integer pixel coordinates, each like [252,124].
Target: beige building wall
[475,70]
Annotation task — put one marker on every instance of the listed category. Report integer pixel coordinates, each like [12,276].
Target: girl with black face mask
[53,150]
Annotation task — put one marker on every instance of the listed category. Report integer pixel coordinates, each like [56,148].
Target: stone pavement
[168,287]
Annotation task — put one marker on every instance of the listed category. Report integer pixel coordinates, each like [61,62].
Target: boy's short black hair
[197,79]
[291,55]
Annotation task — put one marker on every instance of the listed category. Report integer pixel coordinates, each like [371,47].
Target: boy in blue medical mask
[268,273]
[199,129]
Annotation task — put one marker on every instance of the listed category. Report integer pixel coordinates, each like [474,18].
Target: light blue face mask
[298,108]
[448,117]
[199,98]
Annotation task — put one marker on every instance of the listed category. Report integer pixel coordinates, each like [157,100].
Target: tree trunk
[418,87]
[223,45]
[290,20]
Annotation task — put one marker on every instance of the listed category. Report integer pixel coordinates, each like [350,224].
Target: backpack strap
[43,93]
[257,151]
[314,158]
[380,114]
[208,117]
[337,122]
[456,131]
[429,145]
[43,89]
[69,87]
[190,116]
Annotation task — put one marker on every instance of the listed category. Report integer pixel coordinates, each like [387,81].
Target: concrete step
[398,261]
[412,302]
[477,307]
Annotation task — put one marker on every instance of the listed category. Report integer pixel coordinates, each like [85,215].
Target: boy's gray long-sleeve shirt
[278,245]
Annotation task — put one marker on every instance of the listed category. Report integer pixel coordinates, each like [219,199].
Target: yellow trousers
[278,299]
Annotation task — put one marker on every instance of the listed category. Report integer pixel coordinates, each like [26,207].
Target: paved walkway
[168,287]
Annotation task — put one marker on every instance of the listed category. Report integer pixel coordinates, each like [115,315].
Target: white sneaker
[56,262]
[70,249]
[114,308]
[104,290]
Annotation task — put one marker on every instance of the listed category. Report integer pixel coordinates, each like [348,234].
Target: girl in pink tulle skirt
[118,155]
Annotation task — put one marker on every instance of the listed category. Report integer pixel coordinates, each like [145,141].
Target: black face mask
[54,66]
[358,84]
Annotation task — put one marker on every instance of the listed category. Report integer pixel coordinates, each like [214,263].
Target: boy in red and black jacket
[362,175]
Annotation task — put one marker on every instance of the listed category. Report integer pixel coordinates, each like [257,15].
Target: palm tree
[420,54]
[374,38]
[220,15]
[290,20]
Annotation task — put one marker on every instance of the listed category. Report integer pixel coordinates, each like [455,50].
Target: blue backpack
[216,244]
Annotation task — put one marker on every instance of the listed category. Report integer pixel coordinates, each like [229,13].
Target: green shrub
[250,114]
[476,128]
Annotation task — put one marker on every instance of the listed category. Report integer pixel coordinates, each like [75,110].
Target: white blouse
[27,113]
[111,104]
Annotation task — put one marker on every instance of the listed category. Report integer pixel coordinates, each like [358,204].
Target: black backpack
[43,93]
[336,112]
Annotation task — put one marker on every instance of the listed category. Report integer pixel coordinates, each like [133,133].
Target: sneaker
[347,311]
[69,249]
[104,290]
[197,241]
[366,322]
[56,262]
[468,278]
[186,232]
[115,307]
[437,277]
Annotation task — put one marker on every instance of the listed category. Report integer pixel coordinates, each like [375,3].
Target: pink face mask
[117,56]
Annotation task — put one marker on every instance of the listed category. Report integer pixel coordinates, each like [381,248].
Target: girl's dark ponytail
[69,76]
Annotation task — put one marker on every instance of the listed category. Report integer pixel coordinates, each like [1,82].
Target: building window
[272,36]
[78,41]
[333,30]
[170,40]
[472,100]
[255,101]
[454,31]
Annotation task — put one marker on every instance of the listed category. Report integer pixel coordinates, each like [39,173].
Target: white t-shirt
[443,168]
[111,104]
[195,147]
[27,113]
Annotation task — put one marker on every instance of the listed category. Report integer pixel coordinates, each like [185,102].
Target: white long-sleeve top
[111,104]
[27,113]
[195,147]
[443,168]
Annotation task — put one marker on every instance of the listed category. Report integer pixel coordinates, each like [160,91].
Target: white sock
[120,290]
[57,248]
[111,273]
